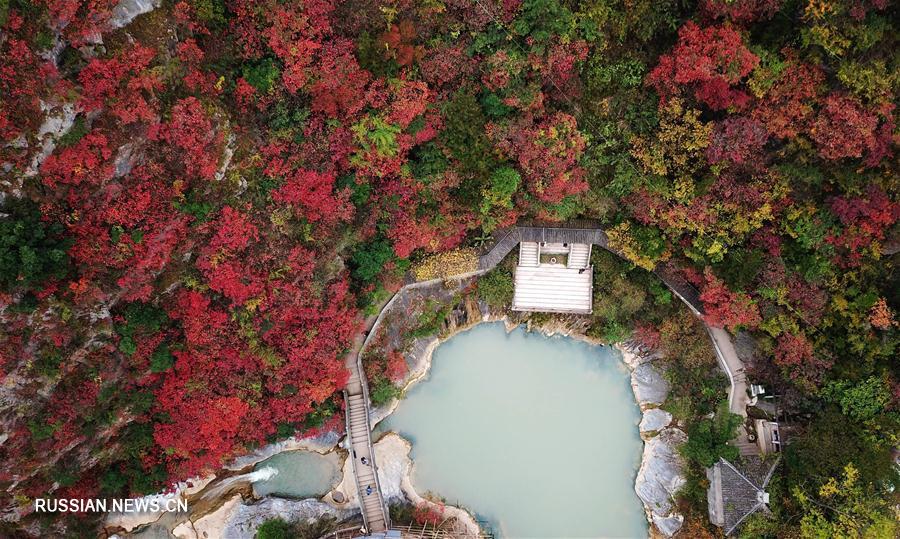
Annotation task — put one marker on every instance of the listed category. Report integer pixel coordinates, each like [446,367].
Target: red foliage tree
[191,133]
[866,219]
[87,161]
[396,366]
[294,33]
[411,230]
[399,44]
[787,108]
[725,308]
[795,355]
[339,88]
[123,83]
[444,65]
[647,335]
[547,153]
[559,67]
[311,195]
[80,21]
[223,262]
[425,514]
[710,61]
[203,430]
[24,78]
[738,140]
[843,128]
[740,11]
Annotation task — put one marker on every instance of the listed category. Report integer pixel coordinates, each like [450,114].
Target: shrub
[431,319]
[140,319]
[382,391]
[275,528]
[496,288]
[262,75]
[162,359]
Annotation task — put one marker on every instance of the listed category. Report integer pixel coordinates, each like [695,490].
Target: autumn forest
[200,206]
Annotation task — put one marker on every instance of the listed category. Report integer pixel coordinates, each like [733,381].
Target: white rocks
[130,521]
[211,525]
[631,356]
[668,526]
[125,159]
[648,384]
[227,155]
[655,419]
[127,10]
[394,467]
[57,123]
[661,475]
[392,457]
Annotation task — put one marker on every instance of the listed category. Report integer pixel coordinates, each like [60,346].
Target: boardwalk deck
[552,288]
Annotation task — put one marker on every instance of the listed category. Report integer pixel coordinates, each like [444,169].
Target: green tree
[708,438]
[863,400]
[843,508]
[162,359]
[464,140]
[503,184]
[383,391]
[369,259]
[832,440]
[262,75]
[759,525]
[31,250]
[140,319]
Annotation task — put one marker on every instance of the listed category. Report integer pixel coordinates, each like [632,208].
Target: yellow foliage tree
[676,149]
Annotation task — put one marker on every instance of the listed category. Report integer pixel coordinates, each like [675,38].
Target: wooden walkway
[359,443]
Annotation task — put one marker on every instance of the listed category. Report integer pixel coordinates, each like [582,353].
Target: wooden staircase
[579,255]
[529,254]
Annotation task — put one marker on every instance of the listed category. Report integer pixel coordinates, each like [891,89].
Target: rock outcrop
[127,10]
[661,473]
[650,388]
[239,520]
[655,419]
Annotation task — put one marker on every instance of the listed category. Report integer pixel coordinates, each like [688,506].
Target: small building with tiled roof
[736,492]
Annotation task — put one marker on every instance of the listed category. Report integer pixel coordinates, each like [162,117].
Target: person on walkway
[365,461]
[368,490]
